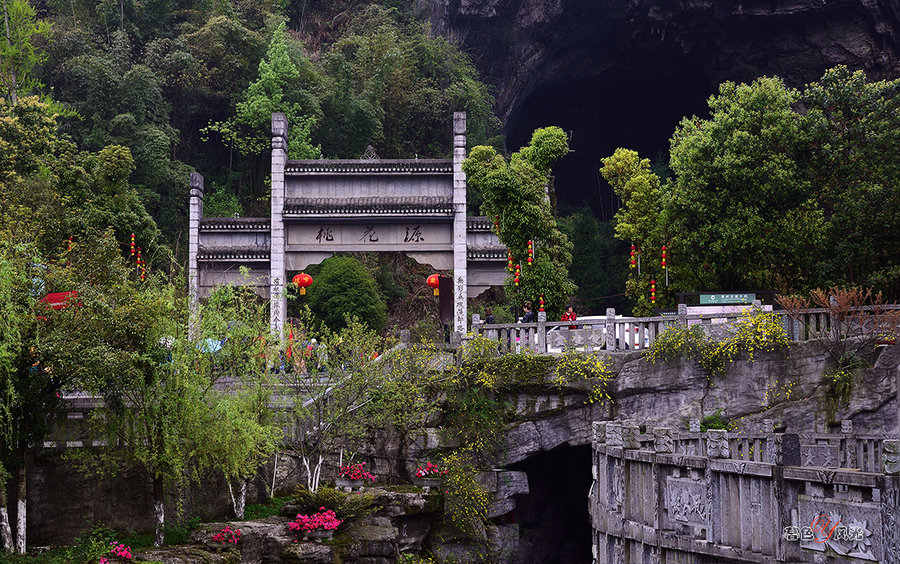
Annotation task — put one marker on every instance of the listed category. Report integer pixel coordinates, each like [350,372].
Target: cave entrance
[635,105]
[554,523]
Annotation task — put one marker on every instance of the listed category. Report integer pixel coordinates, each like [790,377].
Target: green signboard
[716,299]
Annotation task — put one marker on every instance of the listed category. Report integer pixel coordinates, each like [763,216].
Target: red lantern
[664,257]
[132,244]
[542,303]
[518,273]
[302,281]
[435,282]
[653,291]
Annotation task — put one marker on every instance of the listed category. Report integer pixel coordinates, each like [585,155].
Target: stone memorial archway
[319,207]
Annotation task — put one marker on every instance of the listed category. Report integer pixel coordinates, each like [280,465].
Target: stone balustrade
[617,334]
[664,496]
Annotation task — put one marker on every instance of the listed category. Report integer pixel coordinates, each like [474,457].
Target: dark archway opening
[635,105]
[554,523]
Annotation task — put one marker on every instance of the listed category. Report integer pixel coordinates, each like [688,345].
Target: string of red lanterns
[653,291]
[530,252]
[518,273]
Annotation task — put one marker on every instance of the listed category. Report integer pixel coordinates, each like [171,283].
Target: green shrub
[344,288]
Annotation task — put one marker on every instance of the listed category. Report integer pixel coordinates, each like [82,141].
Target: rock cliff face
[622,73]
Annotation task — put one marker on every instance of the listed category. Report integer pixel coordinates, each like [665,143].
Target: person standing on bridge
[570,315]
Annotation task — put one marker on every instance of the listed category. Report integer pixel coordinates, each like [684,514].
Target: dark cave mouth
[553,518]
[635,105]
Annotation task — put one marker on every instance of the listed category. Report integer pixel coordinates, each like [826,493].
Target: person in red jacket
[569,315]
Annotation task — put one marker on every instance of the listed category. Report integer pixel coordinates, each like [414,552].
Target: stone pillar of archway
[278,301]
[196,214]
[460,248]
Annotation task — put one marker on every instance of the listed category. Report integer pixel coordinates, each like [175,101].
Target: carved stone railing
[615,334]
[662,496]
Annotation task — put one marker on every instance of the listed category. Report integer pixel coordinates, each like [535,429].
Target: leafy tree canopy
[344,288]
[515,194]
[766,196]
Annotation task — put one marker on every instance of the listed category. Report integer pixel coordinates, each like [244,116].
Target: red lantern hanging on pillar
[435,282]
[541,302]
[653,291]
[132,244]
[530,252]
[518,273]
[633,261]
[509,262]
[302,281]
[663,257]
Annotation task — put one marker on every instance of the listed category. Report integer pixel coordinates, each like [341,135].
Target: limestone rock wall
[521,44]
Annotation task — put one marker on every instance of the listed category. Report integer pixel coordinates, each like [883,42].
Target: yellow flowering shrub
[466,500]
[753,332]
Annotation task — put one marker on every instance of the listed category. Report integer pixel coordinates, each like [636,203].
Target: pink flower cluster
[430,470]
[355,472]
[228,535]
[324,519]
[117,549]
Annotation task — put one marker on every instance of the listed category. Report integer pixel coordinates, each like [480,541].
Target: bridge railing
[618,333]
[663,495]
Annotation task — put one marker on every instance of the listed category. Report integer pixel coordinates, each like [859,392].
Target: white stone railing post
[195,215]
[460,247]
[610,329]
[541,332]
[682,315]
[277,299]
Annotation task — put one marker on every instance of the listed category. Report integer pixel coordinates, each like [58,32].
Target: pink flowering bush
[355,472]
[228,535]
[117,549]
[325,519]
[430,470]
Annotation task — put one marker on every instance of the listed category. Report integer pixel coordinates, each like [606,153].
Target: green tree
[598,266]
[640,222]
[852,129]
[516,194]
[332,409]
[345,289]
[233,357]
[740,206]
[18,53]
[282,86]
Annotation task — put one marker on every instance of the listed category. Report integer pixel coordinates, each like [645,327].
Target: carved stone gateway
[319,207]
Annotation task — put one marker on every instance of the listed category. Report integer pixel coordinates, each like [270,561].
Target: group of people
[528,315]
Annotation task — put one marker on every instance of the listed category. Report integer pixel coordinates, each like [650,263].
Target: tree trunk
[22,492]
[159,510]
[239,502]
[6,538]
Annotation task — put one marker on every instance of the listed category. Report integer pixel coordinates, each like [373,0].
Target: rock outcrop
[521,45]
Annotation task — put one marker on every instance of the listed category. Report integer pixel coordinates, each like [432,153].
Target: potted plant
[353,477]
[429,476]
[226,538]
[318,526]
